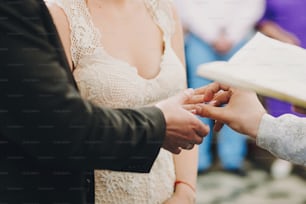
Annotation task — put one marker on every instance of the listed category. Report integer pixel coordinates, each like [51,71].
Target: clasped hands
[239,109]
[242,113]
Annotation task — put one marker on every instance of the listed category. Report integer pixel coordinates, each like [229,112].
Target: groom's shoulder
[29,9]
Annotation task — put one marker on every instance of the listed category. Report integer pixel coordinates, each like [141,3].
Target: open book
[267,66]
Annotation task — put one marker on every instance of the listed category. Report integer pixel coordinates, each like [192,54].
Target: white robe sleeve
[285,137]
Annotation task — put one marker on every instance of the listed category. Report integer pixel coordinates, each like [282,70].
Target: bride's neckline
[134,68]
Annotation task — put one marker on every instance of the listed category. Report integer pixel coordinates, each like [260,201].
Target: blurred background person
[215,30]
[285,21]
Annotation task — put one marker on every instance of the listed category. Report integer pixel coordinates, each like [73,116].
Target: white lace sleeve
[161,10]
[84,36]
[285,137]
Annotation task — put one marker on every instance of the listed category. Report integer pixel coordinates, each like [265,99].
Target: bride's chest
[114,83]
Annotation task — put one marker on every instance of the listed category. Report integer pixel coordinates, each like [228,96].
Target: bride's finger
[198,98]
[190,107]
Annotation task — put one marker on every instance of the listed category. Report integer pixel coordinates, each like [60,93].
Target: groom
[50,138]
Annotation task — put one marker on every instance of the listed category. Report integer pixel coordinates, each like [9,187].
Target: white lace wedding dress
[111,82]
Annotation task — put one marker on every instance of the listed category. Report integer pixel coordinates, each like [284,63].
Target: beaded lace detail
[110,82]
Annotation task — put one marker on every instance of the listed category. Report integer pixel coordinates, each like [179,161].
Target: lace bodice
[108,81]
[285,137]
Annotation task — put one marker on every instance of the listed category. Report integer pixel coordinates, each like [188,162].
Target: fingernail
[193,111]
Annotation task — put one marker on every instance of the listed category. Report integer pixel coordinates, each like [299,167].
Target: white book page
[267,66]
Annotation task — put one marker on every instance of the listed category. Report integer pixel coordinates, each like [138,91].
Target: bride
[126,54]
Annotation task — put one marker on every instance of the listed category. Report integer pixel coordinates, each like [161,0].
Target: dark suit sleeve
[42,113]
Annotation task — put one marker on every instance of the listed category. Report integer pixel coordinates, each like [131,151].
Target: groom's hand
[184,129]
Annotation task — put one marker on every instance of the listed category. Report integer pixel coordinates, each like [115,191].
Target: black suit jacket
[51,139]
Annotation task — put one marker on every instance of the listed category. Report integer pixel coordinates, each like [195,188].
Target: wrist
[257,122]
[185,190]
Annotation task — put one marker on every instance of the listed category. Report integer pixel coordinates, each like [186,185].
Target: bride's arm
[62,25]
[186,162]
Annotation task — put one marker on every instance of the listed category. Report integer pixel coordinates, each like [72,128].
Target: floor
[256,188]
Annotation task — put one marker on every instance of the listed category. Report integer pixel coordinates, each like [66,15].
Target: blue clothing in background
[232,146]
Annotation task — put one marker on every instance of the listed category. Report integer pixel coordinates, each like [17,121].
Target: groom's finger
[190,107]
[185,96]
